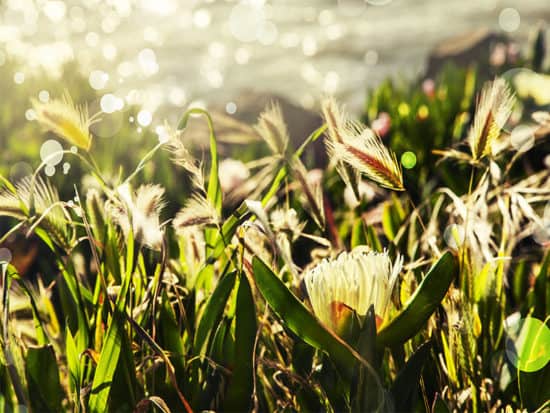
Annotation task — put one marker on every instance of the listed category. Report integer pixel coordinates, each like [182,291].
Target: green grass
[215,316]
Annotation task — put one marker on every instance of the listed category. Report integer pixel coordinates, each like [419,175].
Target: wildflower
[65,119]
[233,173]
[141,213]
[493,110]
[382,124]
[355,281]
[428,87]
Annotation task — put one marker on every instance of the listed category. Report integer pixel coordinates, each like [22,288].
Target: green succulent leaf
[422,304]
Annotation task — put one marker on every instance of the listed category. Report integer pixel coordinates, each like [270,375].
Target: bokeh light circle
[49,170]
[51,152]
[408,160]
[98,79]
[231,108]
[144,117]
[527,343]
[44,96]
[509,19]
[5,255]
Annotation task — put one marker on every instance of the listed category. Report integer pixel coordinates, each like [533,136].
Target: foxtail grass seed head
[182,157]
[197,212]
[354,280]
[39,198]
[273,130]
[141,213]
[494,108]
[335,118]
[366,153]
[65,119]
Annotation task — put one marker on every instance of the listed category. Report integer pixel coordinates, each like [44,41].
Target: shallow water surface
[171,53]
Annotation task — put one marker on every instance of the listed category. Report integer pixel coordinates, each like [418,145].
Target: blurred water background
[170,53]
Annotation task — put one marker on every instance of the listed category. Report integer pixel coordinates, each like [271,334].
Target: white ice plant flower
[354,280]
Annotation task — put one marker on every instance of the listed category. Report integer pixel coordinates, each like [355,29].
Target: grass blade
[239,392]
[43,379]
[213,312]
[422,304]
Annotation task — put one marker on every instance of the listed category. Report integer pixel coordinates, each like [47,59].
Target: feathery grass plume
[363,150]
[494,107]
[355,280]
[336,119]
[273,130]
[67,120]
[198,211]
[46,205]
[95,207]
[182,157]
[140,211]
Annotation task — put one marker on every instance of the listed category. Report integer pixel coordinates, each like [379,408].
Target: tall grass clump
[279,295]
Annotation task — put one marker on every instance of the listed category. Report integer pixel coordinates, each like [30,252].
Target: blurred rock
[480,47]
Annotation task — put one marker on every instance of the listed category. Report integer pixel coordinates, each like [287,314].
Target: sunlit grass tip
[335,118]
[140,212]
[354,280]
[273,130]
[198,211]
[366,153]
[67,120]
[41,198]
[494,107]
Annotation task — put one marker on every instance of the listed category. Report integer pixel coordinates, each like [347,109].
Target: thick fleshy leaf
[301,321]
[239,392]
[422,304]
[406,383]
[213,311]
[43,379]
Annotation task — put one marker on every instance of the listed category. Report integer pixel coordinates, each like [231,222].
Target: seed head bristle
[367,154]
[197,212]
[273,130]
[494,107]
[67,120]
[140,212]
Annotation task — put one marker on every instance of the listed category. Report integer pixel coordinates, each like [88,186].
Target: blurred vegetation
[136,308]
